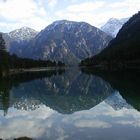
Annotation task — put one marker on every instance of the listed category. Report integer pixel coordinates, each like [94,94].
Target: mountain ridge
[67,41]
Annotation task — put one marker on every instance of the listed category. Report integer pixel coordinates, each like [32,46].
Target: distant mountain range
[67,41]
[123,51]
[113,26]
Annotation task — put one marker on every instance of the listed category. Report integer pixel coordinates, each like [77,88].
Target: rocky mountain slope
[63,40]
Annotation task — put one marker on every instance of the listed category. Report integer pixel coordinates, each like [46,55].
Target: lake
[70,104]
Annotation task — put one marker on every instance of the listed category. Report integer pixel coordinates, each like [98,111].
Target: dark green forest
[123,51]
[8,62]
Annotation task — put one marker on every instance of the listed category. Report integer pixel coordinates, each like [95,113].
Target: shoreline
[31,70]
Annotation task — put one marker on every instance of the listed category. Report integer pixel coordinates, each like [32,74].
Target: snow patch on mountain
[113,26]
[23,33]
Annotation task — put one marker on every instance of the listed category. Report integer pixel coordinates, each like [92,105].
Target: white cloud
[127,7]
[38,14]
[15,9]
[50,124]
[127,3]
[36,23]
[98,12]
[8,26]
[135,123]
[33,121]
[52,3]
[85,7]
[15,14]
[92,124]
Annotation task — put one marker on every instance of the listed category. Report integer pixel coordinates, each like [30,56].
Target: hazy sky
[37,14]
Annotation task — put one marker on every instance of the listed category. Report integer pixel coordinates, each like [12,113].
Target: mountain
[126,82]
[123,51]
[24,33]
[19,39]
[63,91]
[67,41]
[113,26]
[10,64]
[117,101]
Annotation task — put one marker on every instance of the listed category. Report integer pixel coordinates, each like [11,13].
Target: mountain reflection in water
[68,104]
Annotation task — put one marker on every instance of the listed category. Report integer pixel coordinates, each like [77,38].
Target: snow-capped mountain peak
[117,101]
[69,41]
[61,24]
[113,26]
[24,33]
[112,20]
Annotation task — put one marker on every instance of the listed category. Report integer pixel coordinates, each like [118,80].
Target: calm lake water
[70,105]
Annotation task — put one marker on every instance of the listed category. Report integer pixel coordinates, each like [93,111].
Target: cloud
[15,9]
[98,12]
[92,124]
[82,12]
[52,3]
[33,121]
[134,123]
[85,7]
[38,14]
[49,124]
[126,3]
[15,14]
[127,7]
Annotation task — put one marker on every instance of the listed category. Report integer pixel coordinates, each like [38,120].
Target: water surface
[69,105]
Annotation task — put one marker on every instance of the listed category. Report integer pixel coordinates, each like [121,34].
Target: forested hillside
[123,51]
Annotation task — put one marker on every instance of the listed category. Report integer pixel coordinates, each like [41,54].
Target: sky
[37,14]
